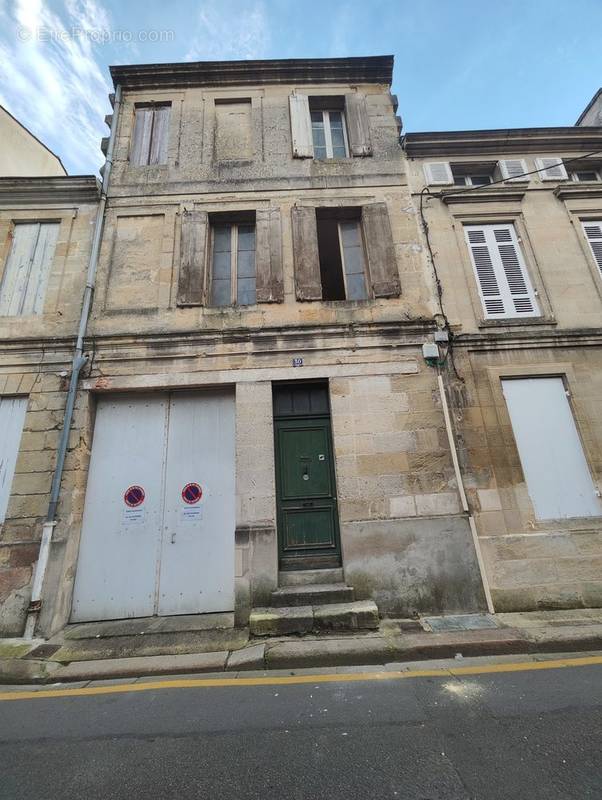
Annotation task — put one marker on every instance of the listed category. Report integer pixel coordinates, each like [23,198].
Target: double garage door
[159,517]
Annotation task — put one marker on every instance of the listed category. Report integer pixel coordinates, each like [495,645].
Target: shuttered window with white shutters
[551,169]
[25,276]
[513,169]
[593,231]
[501,273]
[438,173]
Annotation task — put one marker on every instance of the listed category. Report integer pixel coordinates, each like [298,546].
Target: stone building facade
[514,225]
[240,360]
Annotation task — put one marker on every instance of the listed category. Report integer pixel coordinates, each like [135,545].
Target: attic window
[472,174]
[585,175]
[329,133]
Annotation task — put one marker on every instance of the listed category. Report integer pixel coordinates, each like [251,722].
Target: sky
[459,64]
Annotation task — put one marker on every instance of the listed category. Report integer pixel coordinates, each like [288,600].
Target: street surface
[526,734]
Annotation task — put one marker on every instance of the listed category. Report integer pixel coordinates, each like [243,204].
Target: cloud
[50,78]
[229,30]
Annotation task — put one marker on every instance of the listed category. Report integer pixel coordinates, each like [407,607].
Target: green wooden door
[308,531]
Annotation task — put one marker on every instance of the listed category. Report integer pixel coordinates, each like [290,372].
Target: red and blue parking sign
[134,496]
[192,493]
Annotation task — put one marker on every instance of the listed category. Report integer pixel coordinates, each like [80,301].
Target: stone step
[312,595]
[282,620]
[306,577]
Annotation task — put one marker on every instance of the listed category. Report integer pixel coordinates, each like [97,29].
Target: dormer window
[585,175]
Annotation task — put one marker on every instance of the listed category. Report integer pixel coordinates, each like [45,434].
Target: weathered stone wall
[35,357]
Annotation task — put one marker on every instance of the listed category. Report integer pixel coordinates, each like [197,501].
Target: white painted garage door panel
[558,477]
[116,573]
[174,559]
[197,562]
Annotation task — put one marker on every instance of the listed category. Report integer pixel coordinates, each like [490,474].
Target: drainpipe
[78,362]
[463,499]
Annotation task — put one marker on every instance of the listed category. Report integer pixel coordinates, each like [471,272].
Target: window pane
[220,293]
[460,180]
[336,120]
[356,287]
[221,239]
[319,152]
[246,264]
[480,180]
[316,117]
[246,237]
[586,176]
[350,234]
[221,266]
[246,291]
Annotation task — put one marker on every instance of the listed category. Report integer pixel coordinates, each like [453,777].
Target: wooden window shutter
[501,273]
[158,148]
[306,254]
[437,173]
[303,146]
[512,169]
[551,169]
[193,253]
[593,231]
[268,256]
[27,269]
[141,136]
[358,127]
[380,250]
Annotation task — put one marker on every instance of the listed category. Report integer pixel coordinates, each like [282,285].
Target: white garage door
[159,518]
[558,477]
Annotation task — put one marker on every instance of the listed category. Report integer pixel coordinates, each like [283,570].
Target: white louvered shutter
[437,173]
[502,278]
[303,145]
[512,169]
[593,231]
[551,169]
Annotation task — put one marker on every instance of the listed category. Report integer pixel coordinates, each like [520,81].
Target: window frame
[234,226]
[597,173]
[328,132]
[367,282]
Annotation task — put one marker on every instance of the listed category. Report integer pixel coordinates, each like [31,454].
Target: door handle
[308,504]
[173,537]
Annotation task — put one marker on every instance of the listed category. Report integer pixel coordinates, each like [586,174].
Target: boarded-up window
[25,275]
[501,273]
[149,139]
[234,134]
[12,417]
[136,262]
[233,265]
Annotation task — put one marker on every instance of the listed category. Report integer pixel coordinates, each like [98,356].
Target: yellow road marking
[206,683]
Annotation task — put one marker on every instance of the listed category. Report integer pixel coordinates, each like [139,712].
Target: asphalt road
[520,735]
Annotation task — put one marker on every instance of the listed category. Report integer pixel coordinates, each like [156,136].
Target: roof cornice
[502,141]
[55,189]
[362,69]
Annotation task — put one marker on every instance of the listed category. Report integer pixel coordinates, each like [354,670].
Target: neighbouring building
[45,236]
[22,154]
[514,225]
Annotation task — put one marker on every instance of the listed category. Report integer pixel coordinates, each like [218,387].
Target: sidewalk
[396,641]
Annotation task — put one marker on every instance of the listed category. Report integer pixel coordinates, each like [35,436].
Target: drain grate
[458,622]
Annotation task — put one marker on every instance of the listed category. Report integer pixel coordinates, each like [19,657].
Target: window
[472,174]
[25,277]
[593,232]
[328,134]
[342,258]
[149,140]
[501,273]
[233,264]
[585,175]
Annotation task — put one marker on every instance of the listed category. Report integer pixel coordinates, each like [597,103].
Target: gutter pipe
[79,360]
